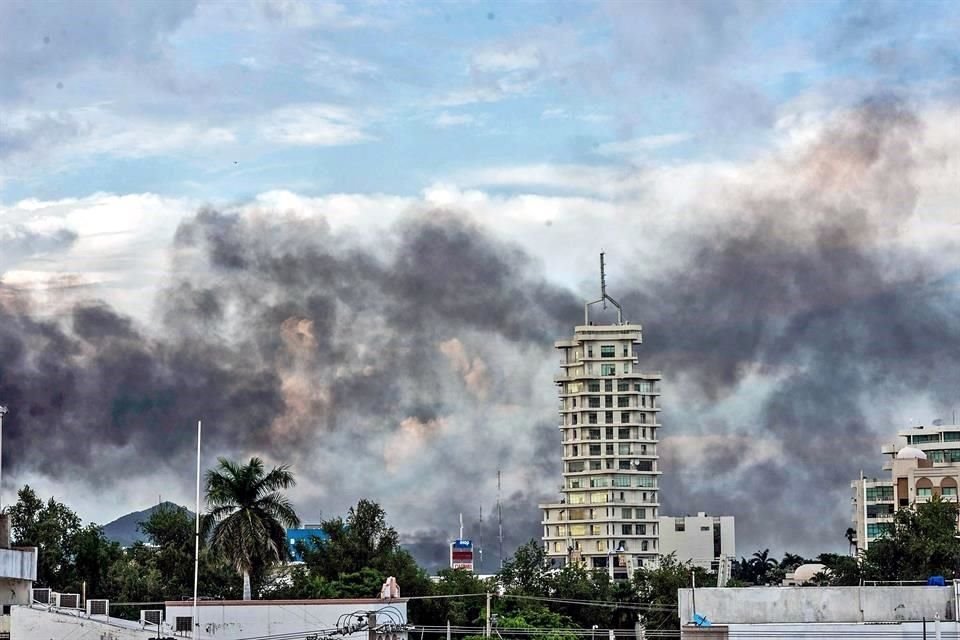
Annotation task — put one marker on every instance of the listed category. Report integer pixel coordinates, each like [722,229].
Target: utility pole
[3,412]
[371,626]
[486,633]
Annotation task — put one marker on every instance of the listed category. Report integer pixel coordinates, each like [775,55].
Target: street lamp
[3,411]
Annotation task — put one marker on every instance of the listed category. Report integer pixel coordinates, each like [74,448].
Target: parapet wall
[759,605]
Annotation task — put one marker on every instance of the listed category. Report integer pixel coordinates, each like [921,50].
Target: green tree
[921,544]
[844,570]
[249,515]
[526,573]
[658,586]
[354,557]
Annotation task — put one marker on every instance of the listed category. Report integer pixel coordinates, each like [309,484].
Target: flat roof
[239,603]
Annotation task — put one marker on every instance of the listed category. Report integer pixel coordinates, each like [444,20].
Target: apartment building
[924,461]
[607,515]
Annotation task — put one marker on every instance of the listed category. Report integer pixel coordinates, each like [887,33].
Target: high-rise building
[924,462]
[609,406]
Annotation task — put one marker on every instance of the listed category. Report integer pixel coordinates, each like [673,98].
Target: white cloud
[524,58]
[446,120]
[642,146]
[318,125]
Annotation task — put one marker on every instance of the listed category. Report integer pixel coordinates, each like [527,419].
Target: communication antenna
[604,298]
[480,542]
[461,527]
[499,521]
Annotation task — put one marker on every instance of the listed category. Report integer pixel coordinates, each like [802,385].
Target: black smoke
[412,367]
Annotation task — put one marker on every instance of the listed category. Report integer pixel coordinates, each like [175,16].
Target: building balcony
[18,563]
[888,449]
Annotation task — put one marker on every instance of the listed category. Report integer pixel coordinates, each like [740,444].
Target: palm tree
[851,535]
[249,515]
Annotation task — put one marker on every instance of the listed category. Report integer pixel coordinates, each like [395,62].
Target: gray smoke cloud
[411,367]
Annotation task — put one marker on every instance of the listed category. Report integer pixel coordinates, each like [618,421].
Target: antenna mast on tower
[499,521]
[603,296]
[480,543]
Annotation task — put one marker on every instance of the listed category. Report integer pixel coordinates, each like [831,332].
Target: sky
[346,235]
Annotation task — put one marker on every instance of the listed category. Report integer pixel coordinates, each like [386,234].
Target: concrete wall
[757,605]
[906,630]
[27,623]
[234,619]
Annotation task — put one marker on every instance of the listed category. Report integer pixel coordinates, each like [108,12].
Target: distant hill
[125,529]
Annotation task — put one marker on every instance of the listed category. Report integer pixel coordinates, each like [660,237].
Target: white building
[18,571]
[236,619]
[821,612]
[935,471]
[609,406]
[707,541]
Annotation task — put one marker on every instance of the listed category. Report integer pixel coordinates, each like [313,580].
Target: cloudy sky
[346,236]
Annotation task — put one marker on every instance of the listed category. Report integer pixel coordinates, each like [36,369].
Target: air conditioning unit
[41,596]
[151,616]
[67,600]
[183,624]
[98,607]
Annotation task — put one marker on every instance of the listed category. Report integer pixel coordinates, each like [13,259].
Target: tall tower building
[609,407]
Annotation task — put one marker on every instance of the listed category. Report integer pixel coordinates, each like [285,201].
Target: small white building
[237,619]
[18,571]
[707,541]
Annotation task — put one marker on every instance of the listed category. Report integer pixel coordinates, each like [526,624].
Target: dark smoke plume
[411,369]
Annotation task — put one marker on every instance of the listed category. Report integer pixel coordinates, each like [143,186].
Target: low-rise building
[706,541]
[820,612]
[18,572]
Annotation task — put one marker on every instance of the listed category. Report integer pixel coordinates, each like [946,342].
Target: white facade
[707,541]
[43,623]
[875,501]
[609,408]
[236,619]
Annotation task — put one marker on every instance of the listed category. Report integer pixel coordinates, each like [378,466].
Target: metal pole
[3,410]
[486,633]
[936,626]
[924,627]
[693,594]
[448,630]
[196,543]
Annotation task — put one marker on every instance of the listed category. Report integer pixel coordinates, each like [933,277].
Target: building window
[593,402]
[623,401]
[623,433]
[577,498]
[608,370]
[595,465]
[594,450]
[949,492]
[595,530]
[626,350]
[623,449]
[643,418]
[609,433]
[627,529]
[626,367]
[924,492]
[621,481]
[574,467]
[624,465]
[575,483]
[576,450]
[593,417]
[609,450]
[641,514]
[601,545]
[623,385]
[598,497]
[593,434]
[643,387]
[593,387]
[644,545]
[624,416]
[679,524]
[644,465]
[608,351]
[627,513]
[608,417]
[590,351]
[578,529]
[704,528]
[641,529]
[608,385]
[574,420]
[608,402]
[875,530]
[598,483]
[562,530]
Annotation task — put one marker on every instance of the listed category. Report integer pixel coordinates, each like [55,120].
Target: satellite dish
[911,453]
